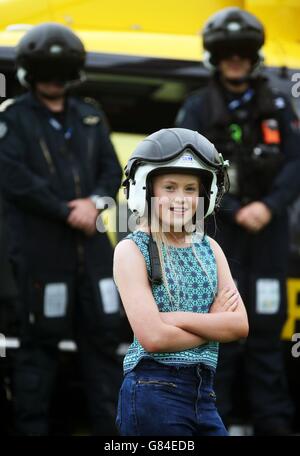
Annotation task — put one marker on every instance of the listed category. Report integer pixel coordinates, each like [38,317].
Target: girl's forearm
[221,327]
[173,339]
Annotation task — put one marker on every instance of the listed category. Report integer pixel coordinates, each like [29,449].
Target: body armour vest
[245,128]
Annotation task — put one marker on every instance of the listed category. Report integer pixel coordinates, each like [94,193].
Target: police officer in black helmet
[56,163]
[255,128]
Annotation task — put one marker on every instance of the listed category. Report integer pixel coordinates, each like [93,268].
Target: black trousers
[258,263]
[95,326]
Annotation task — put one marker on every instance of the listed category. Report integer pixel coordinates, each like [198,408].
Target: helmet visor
[244,50]
[57,71]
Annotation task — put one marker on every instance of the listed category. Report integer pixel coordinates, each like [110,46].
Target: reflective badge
[91,120]
[109,295]
[6,104]
[267,296]
[55,300]
[280,102]
[236,133]
[270,131]
[3,129]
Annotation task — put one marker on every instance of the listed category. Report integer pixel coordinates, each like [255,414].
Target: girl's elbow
[150,346]
[151,343]
[243,329]
[152,337]
[240,331]
[246,329]
[158,343]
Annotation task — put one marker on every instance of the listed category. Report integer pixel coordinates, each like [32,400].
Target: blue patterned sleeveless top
[193,290]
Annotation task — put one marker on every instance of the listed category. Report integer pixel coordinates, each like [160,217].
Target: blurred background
[143,59]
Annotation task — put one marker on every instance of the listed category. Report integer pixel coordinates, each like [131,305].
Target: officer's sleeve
[110,171]
[191,116]
[18,183]
[286,187]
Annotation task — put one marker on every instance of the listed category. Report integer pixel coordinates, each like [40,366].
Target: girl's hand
[226,300]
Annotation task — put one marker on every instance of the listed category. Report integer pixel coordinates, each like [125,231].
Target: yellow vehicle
[145,57]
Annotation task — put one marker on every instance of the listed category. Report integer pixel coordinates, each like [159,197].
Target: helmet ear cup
[207,61]
[205,192]
[22,76]
[223,184]
[258,64]
[149,196]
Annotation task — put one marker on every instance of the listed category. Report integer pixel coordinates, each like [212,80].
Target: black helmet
[232,30]
[174,149]
[48,52]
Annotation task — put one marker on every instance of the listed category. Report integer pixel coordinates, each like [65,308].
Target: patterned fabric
[192,289]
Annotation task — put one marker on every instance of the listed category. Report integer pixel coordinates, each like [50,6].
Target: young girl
[176,288]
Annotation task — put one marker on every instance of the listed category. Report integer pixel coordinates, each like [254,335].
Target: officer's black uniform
[257,132]
[63,276]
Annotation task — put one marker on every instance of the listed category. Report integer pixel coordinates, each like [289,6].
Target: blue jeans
[157,399]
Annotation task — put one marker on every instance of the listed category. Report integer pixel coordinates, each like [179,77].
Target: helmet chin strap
[76,82]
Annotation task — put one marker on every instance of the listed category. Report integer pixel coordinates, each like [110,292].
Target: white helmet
[169,150]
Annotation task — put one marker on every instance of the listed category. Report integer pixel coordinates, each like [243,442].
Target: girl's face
[175,199]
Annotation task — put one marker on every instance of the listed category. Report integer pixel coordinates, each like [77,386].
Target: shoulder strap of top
[156,273]
[154,269]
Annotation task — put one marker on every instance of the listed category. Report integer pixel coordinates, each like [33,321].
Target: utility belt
[252,170]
